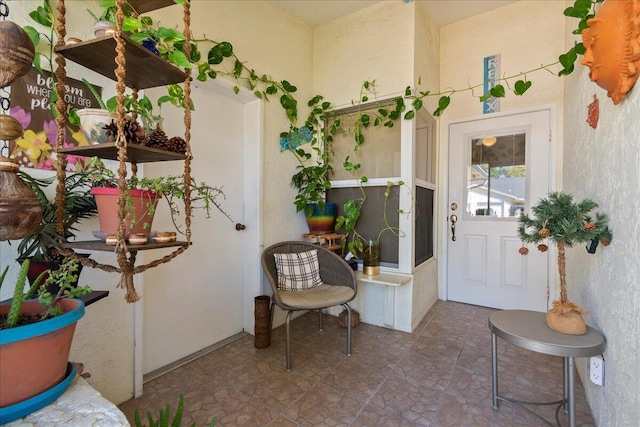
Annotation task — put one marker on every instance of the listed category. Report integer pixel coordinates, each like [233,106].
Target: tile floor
[439,375]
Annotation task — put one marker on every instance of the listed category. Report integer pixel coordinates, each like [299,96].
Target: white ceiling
[444,12]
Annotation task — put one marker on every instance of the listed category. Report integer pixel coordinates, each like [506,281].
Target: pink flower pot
[144,205]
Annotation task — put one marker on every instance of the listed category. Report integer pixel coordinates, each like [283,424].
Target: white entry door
[498,168]
[205,295]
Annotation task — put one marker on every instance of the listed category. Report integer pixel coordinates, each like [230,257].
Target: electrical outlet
[596,370]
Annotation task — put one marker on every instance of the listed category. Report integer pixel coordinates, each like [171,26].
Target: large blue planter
[34,358]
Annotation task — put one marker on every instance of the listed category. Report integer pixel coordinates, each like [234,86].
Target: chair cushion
[298,271]
[318,297]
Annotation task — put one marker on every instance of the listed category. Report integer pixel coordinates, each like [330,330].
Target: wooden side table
[330,241]
[529,330]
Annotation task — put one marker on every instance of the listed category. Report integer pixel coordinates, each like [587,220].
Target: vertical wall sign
[491,73]
[30,105]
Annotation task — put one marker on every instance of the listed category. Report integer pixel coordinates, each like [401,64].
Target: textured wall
[526,34]
[374,43]
[603,164]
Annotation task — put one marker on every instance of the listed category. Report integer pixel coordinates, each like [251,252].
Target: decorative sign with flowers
[30,105]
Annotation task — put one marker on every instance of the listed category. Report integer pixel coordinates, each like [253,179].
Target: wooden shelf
[135,153]
[93,296]
[144,6]
[100,245]
[143,68]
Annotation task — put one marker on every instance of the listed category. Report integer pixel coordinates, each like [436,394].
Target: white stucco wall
[374,43]
[526,34]
[602,164]
[270,42]
[426,53]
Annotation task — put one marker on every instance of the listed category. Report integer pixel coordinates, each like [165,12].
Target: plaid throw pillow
[298,271]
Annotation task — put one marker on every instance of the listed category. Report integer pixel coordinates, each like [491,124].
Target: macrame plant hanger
[125,259]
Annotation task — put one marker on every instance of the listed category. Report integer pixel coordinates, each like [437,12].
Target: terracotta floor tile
[439,375]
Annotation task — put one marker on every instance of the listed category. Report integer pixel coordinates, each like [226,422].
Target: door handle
[453,219]
[240,227]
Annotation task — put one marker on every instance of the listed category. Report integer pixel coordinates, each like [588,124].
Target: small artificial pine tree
[557,219]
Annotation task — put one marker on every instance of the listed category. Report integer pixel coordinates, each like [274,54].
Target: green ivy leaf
[326,105]
[272,90]
[521,87]
[33,34]
[365,98]
[226,49]
[288,86]
[215,56]
[484,97]
[237,70]
[417,103]
[364,119]
[131,25]
[443,103]
[377,121]
[498,91]
[407,91]
[180,59]
[383,112]
[410,115]
[236,90]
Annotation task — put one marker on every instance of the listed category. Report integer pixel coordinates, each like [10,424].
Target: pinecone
[544,232]
[177,145]
[605,242]
[589,226]
[133,132]
[158,139]
[523,250]
[543,248]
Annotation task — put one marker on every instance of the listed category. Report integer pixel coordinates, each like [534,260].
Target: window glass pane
[380,153]
[424,225]
[496,180]
[371,219]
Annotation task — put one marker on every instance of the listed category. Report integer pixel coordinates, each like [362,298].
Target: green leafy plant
[78,203]
[173,188]
[583,10]
[65,278]
[559,220]
[164,419]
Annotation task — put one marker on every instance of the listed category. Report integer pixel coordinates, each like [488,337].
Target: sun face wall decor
[612,44]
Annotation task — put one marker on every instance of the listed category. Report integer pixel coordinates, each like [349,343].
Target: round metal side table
[529,330]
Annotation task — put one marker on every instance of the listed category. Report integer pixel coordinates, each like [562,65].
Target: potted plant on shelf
[40,247]
[557,219]
[36,340]
[144,194]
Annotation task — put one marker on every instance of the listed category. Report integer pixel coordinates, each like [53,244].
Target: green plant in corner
[164,419]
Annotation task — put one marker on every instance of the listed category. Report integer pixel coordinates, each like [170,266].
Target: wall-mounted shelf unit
[144,69]
[135,153]
[99,245]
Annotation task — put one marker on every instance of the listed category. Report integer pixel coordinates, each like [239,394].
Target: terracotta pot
[33,358]
[144,205]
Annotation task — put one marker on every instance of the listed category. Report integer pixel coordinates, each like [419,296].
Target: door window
[496,176]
